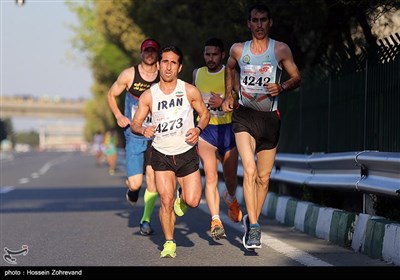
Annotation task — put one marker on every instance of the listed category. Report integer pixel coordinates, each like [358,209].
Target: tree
[318,32]
[7,130]
[31,138]
[105,57]
[3,133]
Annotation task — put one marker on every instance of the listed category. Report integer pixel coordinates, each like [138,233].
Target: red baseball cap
[150,43]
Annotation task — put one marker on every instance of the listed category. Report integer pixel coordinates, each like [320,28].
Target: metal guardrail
[381,173]
[366,171]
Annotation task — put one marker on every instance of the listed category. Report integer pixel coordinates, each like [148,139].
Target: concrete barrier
[377,237]
[391,244]
[324,221]
[374,236]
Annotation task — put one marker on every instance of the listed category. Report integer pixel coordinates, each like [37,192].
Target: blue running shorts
[135,152]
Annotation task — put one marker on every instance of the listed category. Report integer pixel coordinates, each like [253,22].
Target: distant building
[62,137]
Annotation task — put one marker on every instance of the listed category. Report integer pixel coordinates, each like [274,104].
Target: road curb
[377,237]
[374,236]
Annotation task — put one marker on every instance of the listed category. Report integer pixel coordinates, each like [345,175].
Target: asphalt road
[67,212]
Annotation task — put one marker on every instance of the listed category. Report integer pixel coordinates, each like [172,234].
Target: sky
[36,51]
[37,57]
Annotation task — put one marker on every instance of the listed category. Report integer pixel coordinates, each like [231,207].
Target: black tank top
[139,85]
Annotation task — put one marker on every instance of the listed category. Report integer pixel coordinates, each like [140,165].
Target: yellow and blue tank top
[208,82]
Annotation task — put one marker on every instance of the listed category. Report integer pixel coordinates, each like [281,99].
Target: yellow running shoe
[169,250]
[217,229]
[234,212]
[180,206]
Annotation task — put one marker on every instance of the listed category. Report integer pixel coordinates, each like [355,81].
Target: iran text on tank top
[172,117]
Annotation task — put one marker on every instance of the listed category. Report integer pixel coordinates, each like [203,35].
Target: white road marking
[23,180]
[6,189]
[281,247]
[53,162]
[292,252]
[44,169]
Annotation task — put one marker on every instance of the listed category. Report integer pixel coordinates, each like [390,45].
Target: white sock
[215,217]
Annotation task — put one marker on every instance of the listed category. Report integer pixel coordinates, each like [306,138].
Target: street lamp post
[20,3]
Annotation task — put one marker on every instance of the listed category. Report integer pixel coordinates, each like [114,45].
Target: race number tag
[147,120]
[214,112]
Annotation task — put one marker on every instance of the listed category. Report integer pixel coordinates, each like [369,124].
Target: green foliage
[106,58]
[109,62]
[189,23]
[3,134]
[31,138]
[7,129]
[317,31]
[388,207]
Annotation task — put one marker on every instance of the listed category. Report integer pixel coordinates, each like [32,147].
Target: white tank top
[255,72]
[172,116]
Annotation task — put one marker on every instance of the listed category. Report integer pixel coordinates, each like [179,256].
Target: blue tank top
[255,72]
[139,85]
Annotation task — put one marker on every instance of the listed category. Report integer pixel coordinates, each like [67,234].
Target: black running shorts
[182,164]
[264,127]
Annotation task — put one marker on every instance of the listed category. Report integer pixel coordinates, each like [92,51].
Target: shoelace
[255,233]
[215,224]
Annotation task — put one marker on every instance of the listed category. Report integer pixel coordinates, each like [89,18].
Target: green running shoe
[169,250]
[180,206]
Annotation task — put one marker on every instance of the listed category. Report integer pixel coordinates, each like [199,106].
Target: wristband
[201,130]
